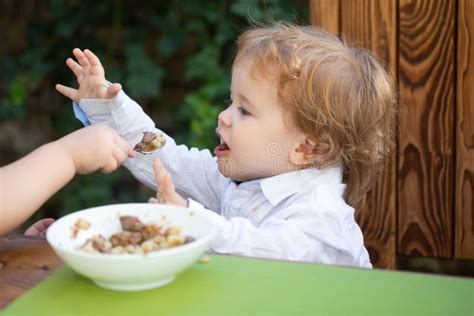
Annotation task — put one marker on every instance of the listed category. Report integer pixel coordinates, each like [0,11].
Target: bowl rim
[135,256]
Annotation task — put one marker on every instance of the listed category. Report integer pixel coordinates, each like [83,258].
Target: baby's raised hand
[166,193]
[96,147]
[91,78]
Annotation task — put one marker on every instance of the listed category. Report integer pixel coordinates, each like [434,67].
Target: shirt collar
[281,186]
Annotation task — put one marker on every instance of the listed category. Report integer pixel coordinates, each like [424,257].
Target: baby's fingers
[97,68]
[75,67]
[157,168]
[92,58]
[81,58]
[159,177]
[169,186]
[166,193]
[68,92]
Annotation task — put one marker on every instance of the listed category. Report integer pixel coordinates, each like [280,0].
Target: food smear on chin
[137,237]
[150,143]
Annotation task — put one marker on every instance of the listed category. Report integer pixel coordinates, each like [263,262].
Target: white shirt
[299,215]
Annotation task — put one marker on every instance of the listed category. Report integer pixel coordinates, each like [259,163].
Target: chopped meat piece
[148,137]
[97,244]
[131,223]
[101,244]
[126,238]
[150,231]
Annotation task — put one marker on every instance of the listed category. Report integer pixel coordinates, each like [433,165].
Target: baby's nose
[225,118]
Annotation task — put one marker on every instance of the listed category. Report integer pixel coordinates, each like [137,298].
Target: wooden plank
[426,80]
[325,14]
[24,262]
[464,179]
[373,24]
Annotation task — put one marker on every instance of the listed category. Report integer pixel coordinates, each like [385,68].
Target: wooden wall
[423,205]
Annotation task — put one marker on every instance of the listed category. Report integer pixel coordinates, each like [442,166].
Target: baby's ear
[310,152]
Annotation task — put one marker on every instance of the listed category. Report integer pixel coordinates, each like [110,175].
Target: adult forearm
[26,184]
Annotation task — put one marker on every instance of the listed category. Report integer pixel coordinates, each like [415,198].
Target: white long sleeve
[194,172]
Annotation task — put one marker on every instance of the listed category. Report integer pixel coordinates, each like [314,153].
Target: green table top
[242,286]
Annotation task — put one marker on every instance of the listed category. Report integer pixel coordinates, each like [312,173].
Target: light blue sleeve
[80,114]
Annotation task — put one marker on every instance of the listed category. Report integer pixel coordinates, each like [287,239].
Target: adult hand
[96,147]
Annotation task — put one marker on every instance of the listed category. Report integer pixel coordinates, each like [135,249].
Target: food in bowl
[137,237]
[131,271]
[78,225]
[150,142]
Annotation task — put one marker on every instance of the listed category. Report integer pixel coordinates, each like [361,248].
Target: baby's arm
[275,238]
[194,172]
[298,237]
[27,183]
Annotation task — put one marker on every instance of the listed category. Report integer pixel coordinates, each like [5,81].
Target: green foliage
[143,75]
[151,48]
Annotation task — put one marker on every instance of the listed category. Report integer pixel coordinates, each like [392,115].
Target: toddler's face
[255,141]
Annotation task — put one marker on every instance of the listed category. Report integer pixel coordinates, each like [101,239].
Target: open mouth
[222,149]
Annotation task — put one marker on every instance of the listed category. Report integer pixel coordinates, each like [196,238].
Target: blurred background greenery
[173,57]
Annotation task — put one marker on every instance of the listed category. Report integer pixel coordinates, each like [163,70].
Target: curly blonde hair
[340,96]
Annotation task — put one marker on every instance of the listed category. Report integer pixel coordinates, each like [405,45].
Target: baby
[307,130]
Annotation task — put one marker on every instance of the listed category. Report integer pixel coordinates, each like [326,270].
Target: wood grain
[373,25]
[426,79]
[464,178]
[325,14]
[24,262]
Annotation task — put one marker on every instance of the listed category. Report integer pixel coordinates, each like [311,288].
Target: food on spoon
[78,225]
[137,237]
[150,142]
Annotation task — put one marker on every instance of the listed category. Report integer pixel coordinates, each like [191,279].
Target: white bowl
[130,272]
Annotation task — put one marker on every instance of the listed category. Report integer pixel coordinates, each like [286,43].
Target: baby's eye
[243,111]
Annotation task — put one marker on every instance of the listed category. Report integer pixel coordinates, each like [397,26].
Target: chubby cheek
[247,149]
